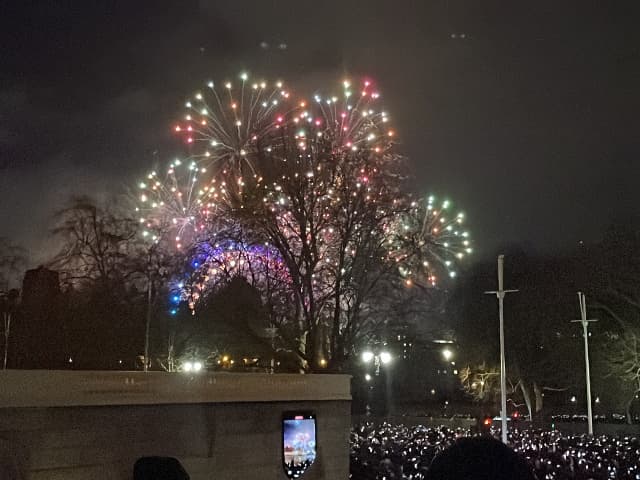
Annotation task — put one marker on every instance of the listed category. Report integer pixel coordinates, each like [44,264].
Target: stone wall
[94,425]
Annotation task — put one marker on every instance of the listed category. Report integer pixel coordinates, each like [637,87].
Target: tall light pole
[585,330]
[149,308]
[150,299]
[8,304]
[272,332]
[500,293]
[378,359]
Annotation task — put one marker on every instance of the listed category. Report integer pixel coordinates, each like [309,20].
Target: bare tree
[12,263]
[621,350]
[623,361]
[102,258]
[482,382]
[13,260]
[97,243]
[9,303]
[327,214]
[368,202]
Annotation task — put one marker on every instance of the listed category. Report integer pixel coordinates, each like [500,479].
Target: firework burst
[311,166]
[227,124]
[349,122]
[230,127]
[352,120]
[432,241]
[179,205]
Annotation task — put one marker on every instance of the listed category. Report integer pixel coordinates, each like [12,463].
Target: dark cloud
[528,121]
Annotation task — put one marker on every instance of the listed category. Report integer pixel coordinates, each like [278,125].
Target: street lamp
[367,356]
[192,366]
[272,332]
[385,358]
[377,358]
[382,358]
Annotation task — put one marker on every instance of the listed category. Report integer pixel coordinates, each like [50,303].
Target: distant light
[385,357]
[447,354]
[367,377]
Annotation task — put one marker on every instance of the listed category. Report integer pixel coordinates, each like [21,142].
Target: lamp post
[150,252]
[148,321]
[585,331]
[382,358]
[378,359]
[447,354]
[500,293]
[272,332]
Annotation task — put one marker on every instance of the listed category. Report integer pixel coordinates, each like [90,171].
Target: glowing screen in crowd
[298,443]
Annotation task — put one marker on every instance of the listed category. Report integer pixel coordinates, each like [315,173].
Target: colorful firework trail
[234,134]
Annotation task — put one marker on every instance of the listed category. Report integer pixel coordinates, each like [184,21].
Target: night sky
[524,114]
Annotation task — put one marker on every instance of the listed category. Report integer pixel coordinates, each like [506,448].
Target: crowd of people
[296,469]
[395,452]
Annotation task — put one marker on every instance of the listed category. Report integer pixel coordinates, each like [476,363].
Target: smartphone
[298,442]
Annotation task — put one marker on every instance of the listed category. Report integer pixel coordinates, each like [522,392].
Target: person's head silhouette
[159,468]
[479,458]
